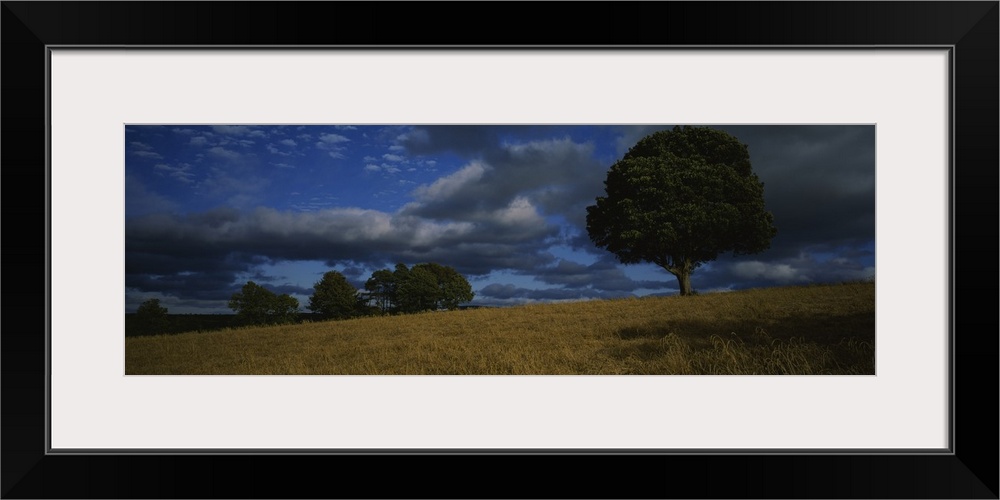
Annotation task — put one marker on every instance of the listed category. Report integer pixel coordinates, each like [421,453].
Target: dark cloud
[460,139]
[203,254]
[203,285]
[498,291]
[174,304]
[289,289]
[603,275]
[819,182]
[534,179]
[479,259]
[507,294]
[559,177]
[728,273]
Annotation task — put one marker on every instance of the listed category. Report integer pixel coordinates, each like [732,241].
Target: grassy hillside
[827,329]
[183,323]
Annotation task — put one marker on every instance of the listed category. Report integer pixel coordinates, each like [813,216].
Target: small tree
[284,310]
[382,289]
[418,291]
[151,317]
[256,305]
[678,199]
[334,297]
[452,288]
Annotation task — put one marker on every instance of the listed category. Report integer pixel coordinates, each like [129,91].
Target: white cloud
[781,273]
[451,184]
[289,142]
[141,201]
[149,155]
[430,233]
[329,143]
[180,172]
[231,129]
[416,136]
[559,177]
[328,139]
[275,151]
[331,224]
[520,212]
[199,141]
[224,153]
[390,157]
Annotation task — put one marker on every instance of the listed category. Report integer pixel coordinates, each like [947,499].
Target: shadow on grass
[803,344]
[820,328]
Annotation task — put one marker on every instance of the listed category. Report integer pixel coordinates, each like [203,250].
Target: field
[801,330]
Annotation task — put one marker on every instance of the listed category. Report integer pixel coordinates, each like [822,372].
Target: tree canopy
[381,288]
[151,317]
[256,305]
[452,288]
[334,297]
[680,198]
[424,287]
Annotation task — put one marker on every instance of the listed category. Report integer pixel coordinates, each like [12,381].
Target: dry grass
[827,329]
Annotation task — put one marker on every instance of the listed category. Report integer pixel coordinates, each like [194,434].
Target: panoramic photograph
[672,249]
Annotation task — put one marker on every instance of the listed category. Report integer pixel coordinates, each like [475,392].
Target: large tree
[678,199]
[334,297]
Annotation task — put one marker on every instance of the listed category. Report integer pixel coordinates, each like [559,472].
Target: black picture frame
[969,28]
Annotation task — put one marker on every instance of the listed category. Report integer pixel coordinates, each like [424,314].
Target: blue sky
[208,208]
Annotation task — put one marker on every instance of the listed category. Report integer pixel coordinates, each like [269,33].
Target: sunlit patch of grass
[792,330]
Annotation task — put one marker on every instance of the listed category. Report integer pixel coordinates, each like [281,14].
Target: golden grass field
[800,330]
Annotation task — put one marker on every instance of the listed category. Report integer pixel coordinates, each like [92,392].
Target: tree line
[403,290]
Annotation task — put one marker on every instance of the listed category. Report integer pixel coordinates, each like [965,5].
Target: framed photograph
[213,157]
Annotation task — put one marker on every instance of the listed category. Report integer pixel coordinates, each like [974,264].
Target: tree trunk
[681,268]
[684,279]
